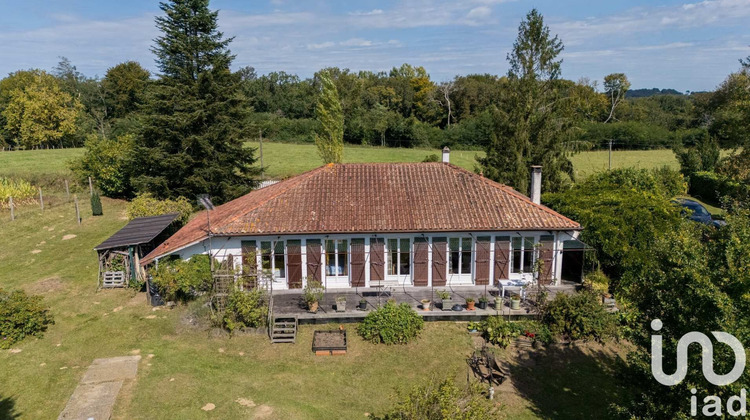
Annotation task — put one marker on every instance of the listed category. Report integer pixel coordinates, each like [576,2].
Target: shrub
[179,280]
[313,292]
[597,281]
[500,332]
[431,158]
[146,205]
[96,205]
[245,310]
[712,187]
[443,400]
[105,162]
[579,317]
[21,315]
[19,189]
[391,324]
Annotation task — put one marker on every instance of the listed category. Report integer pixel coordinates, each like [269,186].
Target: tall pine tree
[529,127]
[194,120]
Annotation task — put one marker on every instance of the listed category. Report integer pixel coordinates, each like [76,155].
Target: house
[383,224]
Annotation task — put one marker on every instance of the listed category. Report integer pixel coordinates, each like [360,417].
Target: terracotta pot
[313,307]
[470,306]
[426,304]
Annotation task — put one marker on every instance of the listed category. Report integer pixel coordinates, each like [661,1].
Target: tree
[529,129]
[195,122]
[125,88]
[41,113]
[330,138]
[616,85]
[103,162]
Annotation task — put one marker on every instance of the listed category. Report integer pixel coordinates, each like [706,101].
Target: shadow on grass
[568,382]
[8,409]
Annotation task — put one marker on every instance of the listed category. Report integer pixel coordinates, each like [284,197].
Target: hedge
[711,187]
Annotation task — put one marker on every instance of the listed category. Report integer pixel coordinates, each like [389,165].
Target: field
[283,160]
[186,364]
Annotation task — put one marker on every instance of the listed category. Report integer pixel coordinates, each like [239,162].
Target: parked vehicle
[696,212]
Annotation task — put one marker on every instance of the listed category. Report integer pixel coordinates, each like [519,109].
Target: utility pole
[610,154]
[260,139]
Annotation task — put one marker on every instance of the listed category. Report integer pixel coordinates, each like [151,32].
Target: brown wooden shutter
[377,260]
[502,258]
[294,264]
[483,261]
[546,253]
[358,262]
[421,262]
[313,259]
[439,268]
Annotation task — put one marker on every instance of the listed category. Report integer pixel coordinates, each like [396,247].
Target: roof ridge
[512,191]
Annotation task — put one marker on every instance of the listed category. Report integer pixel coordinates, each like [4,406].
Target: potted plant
[473,326]
[312,295]
[483,302]
[340,303]
[445,297]
[469,303]
[426,304]
[515,302]
[363,304]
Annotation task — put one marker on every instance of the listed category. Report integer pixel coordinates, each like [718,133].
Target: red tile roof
[371,198]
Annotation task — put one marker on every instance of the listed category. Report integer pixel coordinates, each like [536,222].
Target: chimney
[446,155]
[536,184]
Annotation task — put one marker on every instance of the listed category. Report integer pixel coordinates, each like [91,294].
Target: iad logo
[713,406]
[708,357]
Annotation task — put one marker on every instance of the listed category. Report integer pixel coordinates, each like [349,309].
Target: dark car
[697,213]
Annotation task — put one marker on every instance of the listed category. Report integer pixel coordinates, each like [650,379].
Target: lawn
[192,366]
[283,160]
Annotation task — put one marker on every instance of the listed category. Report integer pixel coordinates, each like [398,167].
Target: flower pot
[515,304]
[482,304]
[447,304]
[363,305]
[470,306]
[426,304]
[340,306]
[313,306]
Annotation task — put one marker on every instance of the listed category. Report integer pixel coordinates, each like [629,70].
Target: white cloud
[320,46]
[356,42]
[479,12]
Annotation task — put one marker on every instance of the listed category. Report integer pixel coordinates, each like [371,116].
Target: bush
[597,281]
[96,205]
[179,280]
[19,189]
[443,400]
[391,324]
[431,158]
[500,332]
[579,317]
[712,187]
[21,316]
[146,205]
[245,310]
[105,162]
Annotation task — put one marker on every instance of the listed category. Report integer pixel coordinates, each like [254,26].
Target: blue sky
[668,44]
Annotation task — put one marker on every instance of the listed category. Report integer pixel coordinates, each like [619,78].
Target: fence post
[41,199]
[78,213]
[67,189]
[91,187]
[12,212]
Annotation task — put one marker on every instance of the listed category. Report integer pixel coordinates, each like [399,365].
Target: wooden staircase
[284,329]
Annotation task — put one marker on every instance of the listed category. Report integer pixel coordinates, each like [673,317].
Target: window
[399,258]
[337,262]
[272,258]
[523,254]
[459,258]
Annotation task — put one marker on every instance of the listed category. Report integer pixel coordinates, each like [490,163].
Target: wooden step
[284,329]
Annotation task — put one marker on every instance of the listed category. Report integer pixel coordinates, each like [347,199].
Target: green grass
[283,160]
[191,366]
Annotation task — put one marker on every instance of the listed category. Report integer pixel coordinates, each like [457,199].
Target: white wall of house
[401,273]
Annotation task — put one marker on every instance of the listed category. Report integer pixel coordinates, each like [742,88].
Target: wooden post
[41,199]
[91,187]
[78,212]
[260,139]
[67,189]
[610,154]
[12,212]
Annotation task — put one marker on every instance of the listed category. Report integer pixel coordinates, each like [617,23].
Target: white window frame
[513,269]
[337,242]
[460,278]
[273,257]
[402,278]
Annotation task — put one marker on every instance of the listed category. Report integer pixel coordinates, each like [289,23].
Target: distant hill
[644,93]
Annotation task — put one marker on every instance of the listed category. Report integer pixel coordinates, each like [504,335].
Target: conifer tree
[194,122]
[330,136]
[529,128]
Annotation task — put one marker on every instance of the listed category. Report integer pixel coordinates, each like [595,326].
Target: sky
[688,46]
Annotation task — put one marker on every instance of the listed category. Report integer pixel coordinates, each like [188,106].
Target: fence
[63,193]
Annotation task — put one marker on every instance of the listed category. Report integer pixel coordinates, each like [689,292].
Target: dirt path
[97,392]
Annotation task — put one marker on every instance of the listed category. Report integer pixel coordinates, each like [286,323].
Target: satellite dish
[204,201]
